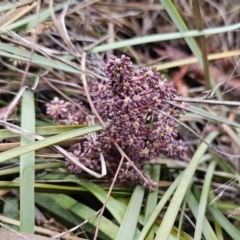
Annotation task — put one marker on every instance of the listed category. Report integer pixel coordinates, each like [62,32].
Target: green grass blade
[27,162]
[147,226]
[182,27]
[210,115]
[129,224]
[154,171]
[180,24]
[232,231]
[113,206]
[218,230]
[170,216]
[45,187]
[47,142]
[203,201]
[74,213]
[40,166]
[24,55]
[116,208]
[163,37]
[43,131]
[7,6]
[208,232]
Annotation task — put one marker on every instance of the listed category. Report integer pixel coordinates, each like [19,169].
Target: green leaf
[24,55]
[114,207]
[129,225]
[170,216]
[74,213]
[163,37]
[203,201]
[147,226]
[43,131]
[27,162]
[207,229]
[47,142]
[154,172]
[232,231]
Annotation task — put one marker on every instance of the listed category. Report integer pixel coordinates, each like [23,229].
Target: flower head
[132,104]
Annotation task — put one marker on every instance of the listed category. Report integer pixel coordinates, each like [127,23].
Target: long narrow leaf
[129,225]
[170,216]
[115,207]
[152,198]
[43,131]
[47,142]
[203,201]
[163,37]
[74,213]
[158,208]
[27,162]
[207,228]
[233,232]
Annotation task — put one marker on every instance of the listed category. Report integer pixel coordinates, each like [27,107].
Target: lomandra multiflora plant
[138,117]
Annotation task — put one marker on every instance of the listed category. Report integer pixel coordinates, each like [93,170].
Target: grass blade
[23,55]
[43,131]
[116,208]
[129,225]
[203,201]
[74,213]
[40,166]
[113,206]
[47,142]
[163,37]
[182,27]
[224,222]
[170,216]
[180,24]
[27,162]
[154,171]
[158,208]
[207,229]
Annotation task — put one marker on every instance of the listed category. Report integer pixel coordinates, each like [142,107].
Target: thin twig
[202,139]
[85,85]
[106,200]
[123,154]
[34,44]
[76,227]
[64,95]
[10,229]
[21,131]
[203,101]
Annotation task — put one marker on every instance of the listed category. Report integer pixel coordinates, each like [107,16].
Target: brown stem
[146,93]
[139,78]
[145,106]
[108,195]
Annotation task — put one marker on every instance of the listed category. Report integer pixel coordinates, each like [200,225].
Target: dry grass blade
[15,14]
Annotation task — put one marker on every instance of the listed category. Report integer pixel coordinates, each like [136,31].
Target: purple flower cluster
[133,106]
[138,117]
[67,113]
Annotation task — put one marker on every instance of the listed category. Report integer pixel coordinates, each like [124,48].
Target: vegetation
[120,120]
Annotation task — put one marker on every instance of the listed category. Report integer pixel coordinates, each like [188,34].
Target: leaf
[129,225]
[74,213]
[169,218]
[27,162]
[47,142]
